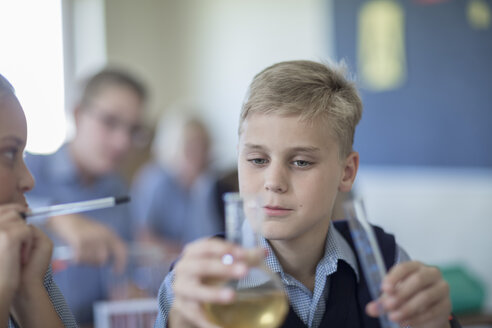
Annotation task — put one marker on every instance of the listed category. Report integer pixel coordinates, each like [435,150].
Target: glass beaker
[260,300]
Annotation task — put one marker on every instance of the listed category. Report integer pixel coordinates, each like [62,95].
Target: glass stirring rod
[368,252]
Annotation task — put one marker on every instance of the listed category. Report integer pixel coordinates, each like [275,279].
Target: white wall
[84,48]
[145,36]
[439,215]
[206,52]
[230,41]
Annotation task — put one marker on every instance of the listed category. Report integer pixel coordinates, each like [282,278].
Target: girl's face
[15,178]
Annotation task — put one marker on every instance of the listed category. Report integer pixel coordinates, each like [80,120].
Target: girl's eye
[301,163]
[258,161]
[9,154]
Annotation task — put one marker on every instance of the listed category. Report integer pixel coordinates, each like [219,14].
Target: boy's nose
[121,141]
[275,179]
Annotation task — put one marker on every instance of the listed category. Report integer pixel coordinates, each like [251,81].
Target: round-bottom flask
[260,300]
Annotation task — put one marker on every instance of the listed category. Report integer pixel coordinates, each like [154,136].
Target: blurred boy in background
[107,121]
[176,197]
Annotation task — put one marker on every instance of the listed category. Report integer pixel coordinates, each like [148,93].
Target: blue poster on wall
[425,73]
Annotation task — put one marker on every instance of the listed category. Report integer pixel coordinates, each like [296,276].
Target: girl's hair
[6,89]
[310,90]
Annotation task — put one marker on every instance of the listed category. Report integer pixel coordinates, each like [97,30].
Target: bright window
[31,58]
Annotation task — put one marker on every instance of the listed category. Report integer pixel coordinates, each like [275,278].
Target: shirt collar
[65,171]
[336,248]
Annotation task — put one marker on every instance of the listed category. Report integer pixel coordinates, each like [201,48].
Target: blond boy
[295,150]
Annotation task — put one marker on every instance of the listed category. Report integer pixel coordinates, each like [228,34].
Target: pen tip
[121,199]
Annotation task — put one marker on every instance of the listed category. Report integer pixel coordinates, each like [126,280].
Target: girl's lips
[276,211]
[22,201]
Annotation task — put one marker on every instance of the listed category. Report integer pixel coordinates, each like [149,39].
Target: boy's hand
[198,274]
[92,242]
[414,295]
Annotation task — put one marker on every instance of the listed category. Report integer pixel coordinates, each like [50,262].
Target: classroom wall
[146,37]
[440,216]
[84,48]
[439,112]
[425,141]
[207,52]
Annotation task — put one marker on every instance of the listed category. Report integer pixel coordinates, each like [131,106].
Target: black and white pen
[70,208]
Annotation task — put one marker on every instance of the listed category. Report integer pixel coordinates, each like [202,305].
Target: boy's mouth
[276,210]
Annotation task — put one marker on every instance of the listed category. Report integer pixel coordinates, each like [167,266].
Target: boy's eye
[301,163]
[258,161]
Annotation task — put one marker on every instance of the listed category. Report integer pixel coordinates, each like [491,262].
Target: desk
[475,319]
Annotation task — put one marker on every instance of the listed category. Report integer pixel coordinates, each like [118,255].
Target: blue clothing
[162,205]
[58,181]
[309,306]
[58,302]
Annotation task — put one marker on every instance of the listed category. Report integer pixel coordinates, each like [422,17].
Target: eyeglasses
[112,123]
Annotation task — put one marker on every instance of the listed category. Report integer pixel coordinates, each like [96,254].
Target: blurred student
[107,120]
[28,295]
[176,197]
[295,150]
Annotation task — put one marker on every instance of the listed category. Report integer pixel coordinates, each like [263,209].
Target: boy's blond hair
[311,91]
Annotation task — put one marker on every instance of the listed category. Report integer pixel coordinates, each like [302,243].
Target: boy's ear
[350,167]
[76,115]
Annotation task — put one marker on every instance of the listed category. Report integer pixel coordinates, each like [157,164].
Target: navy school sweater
[347,299]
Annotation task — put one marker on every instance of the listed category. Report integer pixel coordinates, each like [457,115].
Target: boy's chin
[272,232]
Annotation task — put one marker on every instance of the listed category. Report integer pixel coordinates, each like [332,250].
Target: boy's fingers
[376,307]
[373,308]
[198,279]
[201,269]
[420,303]
[212,247]
[414,284]
[435,315]
[398,273]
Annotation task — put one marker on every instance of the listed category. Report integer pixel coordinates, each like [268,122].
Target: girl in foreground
[28,295]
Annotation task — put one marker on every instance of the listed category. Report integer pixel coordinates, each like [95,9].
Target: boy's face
[295,168]
[105,128]
[14,175]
